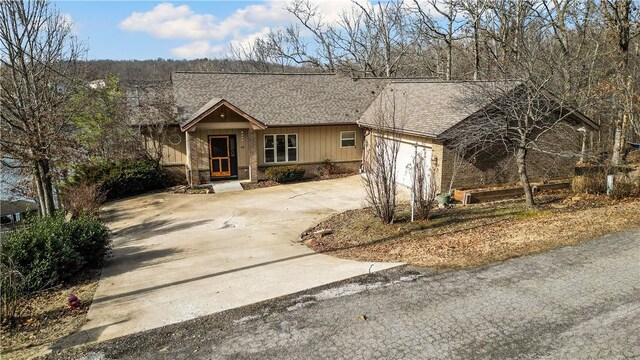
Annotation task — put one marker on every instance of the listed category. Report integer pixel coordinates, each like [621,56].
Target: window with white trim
[347,139]
[280,148]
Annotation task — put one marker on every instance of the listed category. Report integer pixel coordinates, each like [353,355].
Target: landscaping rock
[322,232]
[410,228]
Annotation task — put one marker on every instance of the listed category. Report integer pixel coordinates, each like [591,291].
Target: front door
[222,156]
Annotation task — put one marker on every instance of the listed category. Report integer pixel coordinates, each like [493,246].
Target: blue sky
[177,29]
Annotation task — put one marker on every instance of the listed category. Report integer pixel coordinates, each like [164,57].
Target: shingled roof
[148,102]
[278,99]
[426,107]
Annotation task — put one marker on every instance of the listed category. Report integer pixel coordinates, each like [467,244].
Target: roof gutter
[401,131]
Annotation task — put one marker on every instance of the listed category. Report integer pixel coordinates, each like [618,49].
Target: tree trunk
[37,178]
[521,160]
[449,59]
[476,50]
[583,150]
[45,188]
[619,140]
[623,24]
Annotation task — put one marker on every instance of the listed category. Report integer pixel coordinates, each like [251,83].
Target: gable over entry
[229,136]
[221,108]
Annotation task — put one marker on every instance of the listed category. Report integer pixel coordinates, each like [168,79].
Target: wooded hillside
[161,69]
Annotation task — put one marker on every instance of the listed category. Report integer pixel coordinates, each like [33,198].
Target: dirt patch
[476,234]
[46,318]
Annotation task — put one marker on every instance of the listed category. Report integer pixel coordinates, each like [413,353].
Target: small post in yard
[413,182]
[583,151]
[610,184]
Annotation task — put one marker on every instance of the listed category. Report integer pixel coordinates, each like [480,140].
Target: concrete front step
[227,186]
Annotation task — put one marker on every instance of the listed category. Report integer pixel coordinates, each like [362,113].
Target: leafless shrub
[381,154]
[151,108]
[425,187]
[380,176]
[625,186]
[633,157]
[328,168]
[590,183]
[82,199]
[12,291]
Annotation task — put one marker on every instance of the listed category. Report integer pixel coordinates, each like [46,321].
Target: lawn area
[46,318]
[474,235]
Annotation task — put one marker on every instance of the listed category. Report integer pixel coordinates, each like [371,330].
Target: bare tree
[368,40]
[151,109]
[622,20]
[446,30]
[291,46]
[474,10]
[374,40]
[39,58]
[425,188]
[515,118]
[380,157]
[506,29]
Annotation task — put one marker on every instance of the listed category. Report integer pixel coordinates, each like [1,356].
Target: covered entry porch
[221,144]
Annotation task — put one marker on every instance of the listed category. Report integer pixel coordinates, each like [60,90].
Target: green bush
[120,179]
[284,174]
[48,251]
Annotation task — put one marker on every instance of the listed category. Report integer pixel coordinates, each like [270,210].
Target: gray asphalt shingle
[279,99]
[427,107]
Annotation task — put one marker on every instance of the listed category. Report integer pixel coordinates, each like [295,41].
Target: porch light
[221,113]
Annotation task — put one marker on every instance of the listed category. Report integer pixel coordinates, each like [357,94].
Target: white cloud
[197,49]
[168,21]
[204,48]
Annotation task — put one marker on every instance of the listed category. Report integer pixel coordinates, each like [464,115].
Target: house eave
[312,124]
[399,131]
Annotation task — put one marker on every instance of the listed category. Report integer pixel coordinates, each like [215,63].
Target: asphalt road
[578,302]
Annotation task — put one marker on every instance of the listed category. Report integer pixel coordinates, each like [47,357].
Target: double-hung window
[347,139]
[280,148]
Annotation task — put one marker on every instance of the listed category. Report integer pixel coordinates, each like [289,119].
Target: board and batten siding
[171,154]
[316,144]
[202,139]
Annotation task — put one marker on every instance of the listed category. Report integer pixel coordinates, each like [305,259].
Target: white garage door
[404,163]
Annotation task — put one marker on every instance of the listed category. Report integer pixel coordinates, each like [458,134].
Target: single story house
[236,125]
[14,211]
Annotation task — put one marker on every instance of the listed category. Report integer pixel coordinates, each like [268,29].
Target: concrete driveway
[577,302]
[183,256]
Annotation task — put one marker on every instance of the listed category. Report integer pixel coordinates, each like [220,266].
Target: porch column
[253,155]
[192,158]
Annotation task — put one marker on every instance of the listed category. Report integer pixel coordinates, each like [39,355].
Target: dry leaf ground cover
[46,318]
[476,234]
